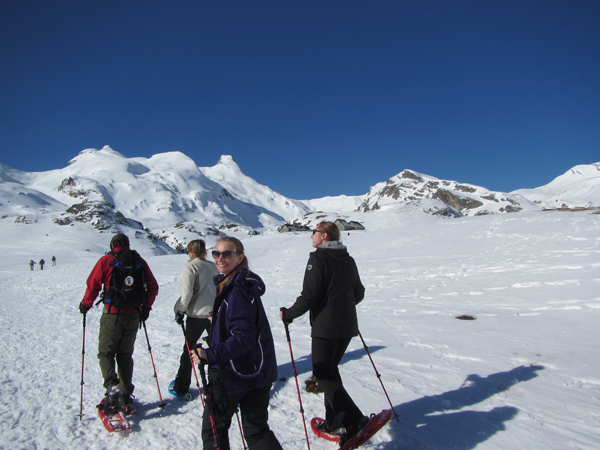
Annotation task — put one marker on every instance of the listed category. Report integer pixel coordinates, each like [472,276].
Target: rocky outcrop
[101,215]
[409,186]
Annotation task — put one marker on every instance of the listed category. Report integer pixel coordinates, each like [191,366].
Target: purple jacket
[241,338]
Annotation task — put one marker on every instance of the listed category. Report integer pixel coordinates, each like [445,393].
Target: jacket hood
[333,245]
[251,281]
[335,249]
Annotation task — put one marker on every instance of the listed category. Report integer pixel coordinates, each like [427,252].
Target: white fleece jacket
[197,289]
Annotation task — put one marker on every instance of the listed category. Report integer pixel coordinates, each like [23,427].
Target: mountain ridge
[168,197]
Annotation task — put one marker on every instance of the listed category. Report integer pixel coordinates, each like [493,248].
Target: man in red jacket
[118,329]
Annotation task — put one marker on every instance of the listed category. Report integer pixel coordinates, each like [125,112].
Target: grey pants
[116,341]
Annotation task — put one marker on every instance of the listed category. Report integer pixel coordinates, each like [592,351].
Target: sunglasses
[226,254]
[317,231]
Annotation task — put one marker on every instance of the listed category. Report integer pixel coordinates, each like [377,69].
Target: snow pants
[340,409]
[116,341]
[193,330]
[254,410]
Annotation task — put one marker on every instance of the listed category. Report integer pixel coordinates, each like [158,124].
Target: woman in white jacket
[197,297]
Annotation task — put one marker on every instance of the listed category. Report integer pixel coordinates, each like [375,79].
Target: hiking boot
[353,430]
[187,396]
[312,385]
[113,398]
[323,428]
[126,404]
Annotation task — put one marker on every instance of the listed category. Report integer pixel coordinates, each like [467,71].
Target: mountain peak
[104,151]
[227,160]
[410,186]
[578,187]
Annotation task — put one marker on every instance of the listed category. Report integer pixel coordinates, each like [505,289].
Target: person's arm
[188,277]
[359,289]
[94,283]
[151,287]
[312,287]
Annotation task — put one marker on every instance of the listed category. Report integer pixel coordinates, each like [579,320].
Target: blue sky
[311,98]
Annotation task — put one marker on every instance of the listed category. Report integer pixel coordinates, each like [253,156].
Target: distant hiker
[31,264]
[126,302]
[241,356]
[197,297]
[54,260]
[330,291]
[42,262]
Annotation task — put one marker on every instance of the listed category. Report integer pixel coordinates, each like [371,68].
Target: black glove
[284,314]
[144,313]
[83,309]
[179,317]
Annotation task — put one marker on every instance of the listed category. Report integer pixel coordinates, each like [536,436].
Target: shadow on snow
[304,366]
[429,422]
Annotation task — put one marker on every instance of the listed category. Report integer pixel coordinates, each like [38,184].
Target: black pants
[193,330]
[254,410]
[340,409]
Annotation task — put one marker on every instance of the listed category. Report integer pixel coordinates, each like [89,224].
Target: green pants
[116,340]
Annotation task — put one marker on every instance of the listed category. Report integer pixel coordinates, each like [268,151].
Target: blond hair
[198,248]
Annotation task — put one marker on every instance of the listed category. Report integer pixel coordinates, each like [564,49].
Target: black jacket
[331,291]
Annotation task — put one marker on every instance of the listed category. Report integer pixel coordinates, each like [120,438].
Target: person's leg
[193,330]
[128,325]
[108,343]
[222,422]
[340,409]
[255,415]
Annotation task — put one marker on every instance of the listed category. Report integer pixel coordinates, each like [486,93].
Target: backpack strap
[111,281]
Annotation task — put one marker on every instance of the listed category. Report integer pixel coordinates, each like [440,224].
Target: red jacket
[100,275]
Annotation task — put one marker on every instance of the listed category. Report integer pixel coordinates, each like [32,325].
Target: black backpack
[127,287]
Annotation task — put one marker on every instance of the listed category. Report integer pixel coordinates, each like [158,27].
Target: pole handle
[285,324]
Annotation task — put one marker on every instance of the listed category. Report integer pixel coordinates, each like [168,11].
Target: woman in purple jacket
[241,356]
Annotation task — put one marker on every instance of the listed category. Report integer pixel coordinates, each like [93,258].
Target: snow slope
[524,374]
[229,175]
[160,191]
[579,187]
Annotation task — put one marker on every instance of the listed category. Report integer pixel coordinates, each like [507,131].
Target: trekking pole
[210,407]
[241,432]
[187,345]
[198,386]
[82,366]
[287,333]
[379,377]
[162,404]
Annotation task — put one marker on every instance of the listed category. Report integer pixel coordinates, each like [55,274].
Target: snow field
[524,374]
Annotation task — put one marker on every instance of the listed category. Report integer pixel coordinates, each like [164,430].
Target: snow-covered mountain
[166,196]
[169,199]
[234,183]
[442,196]
[579,187]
